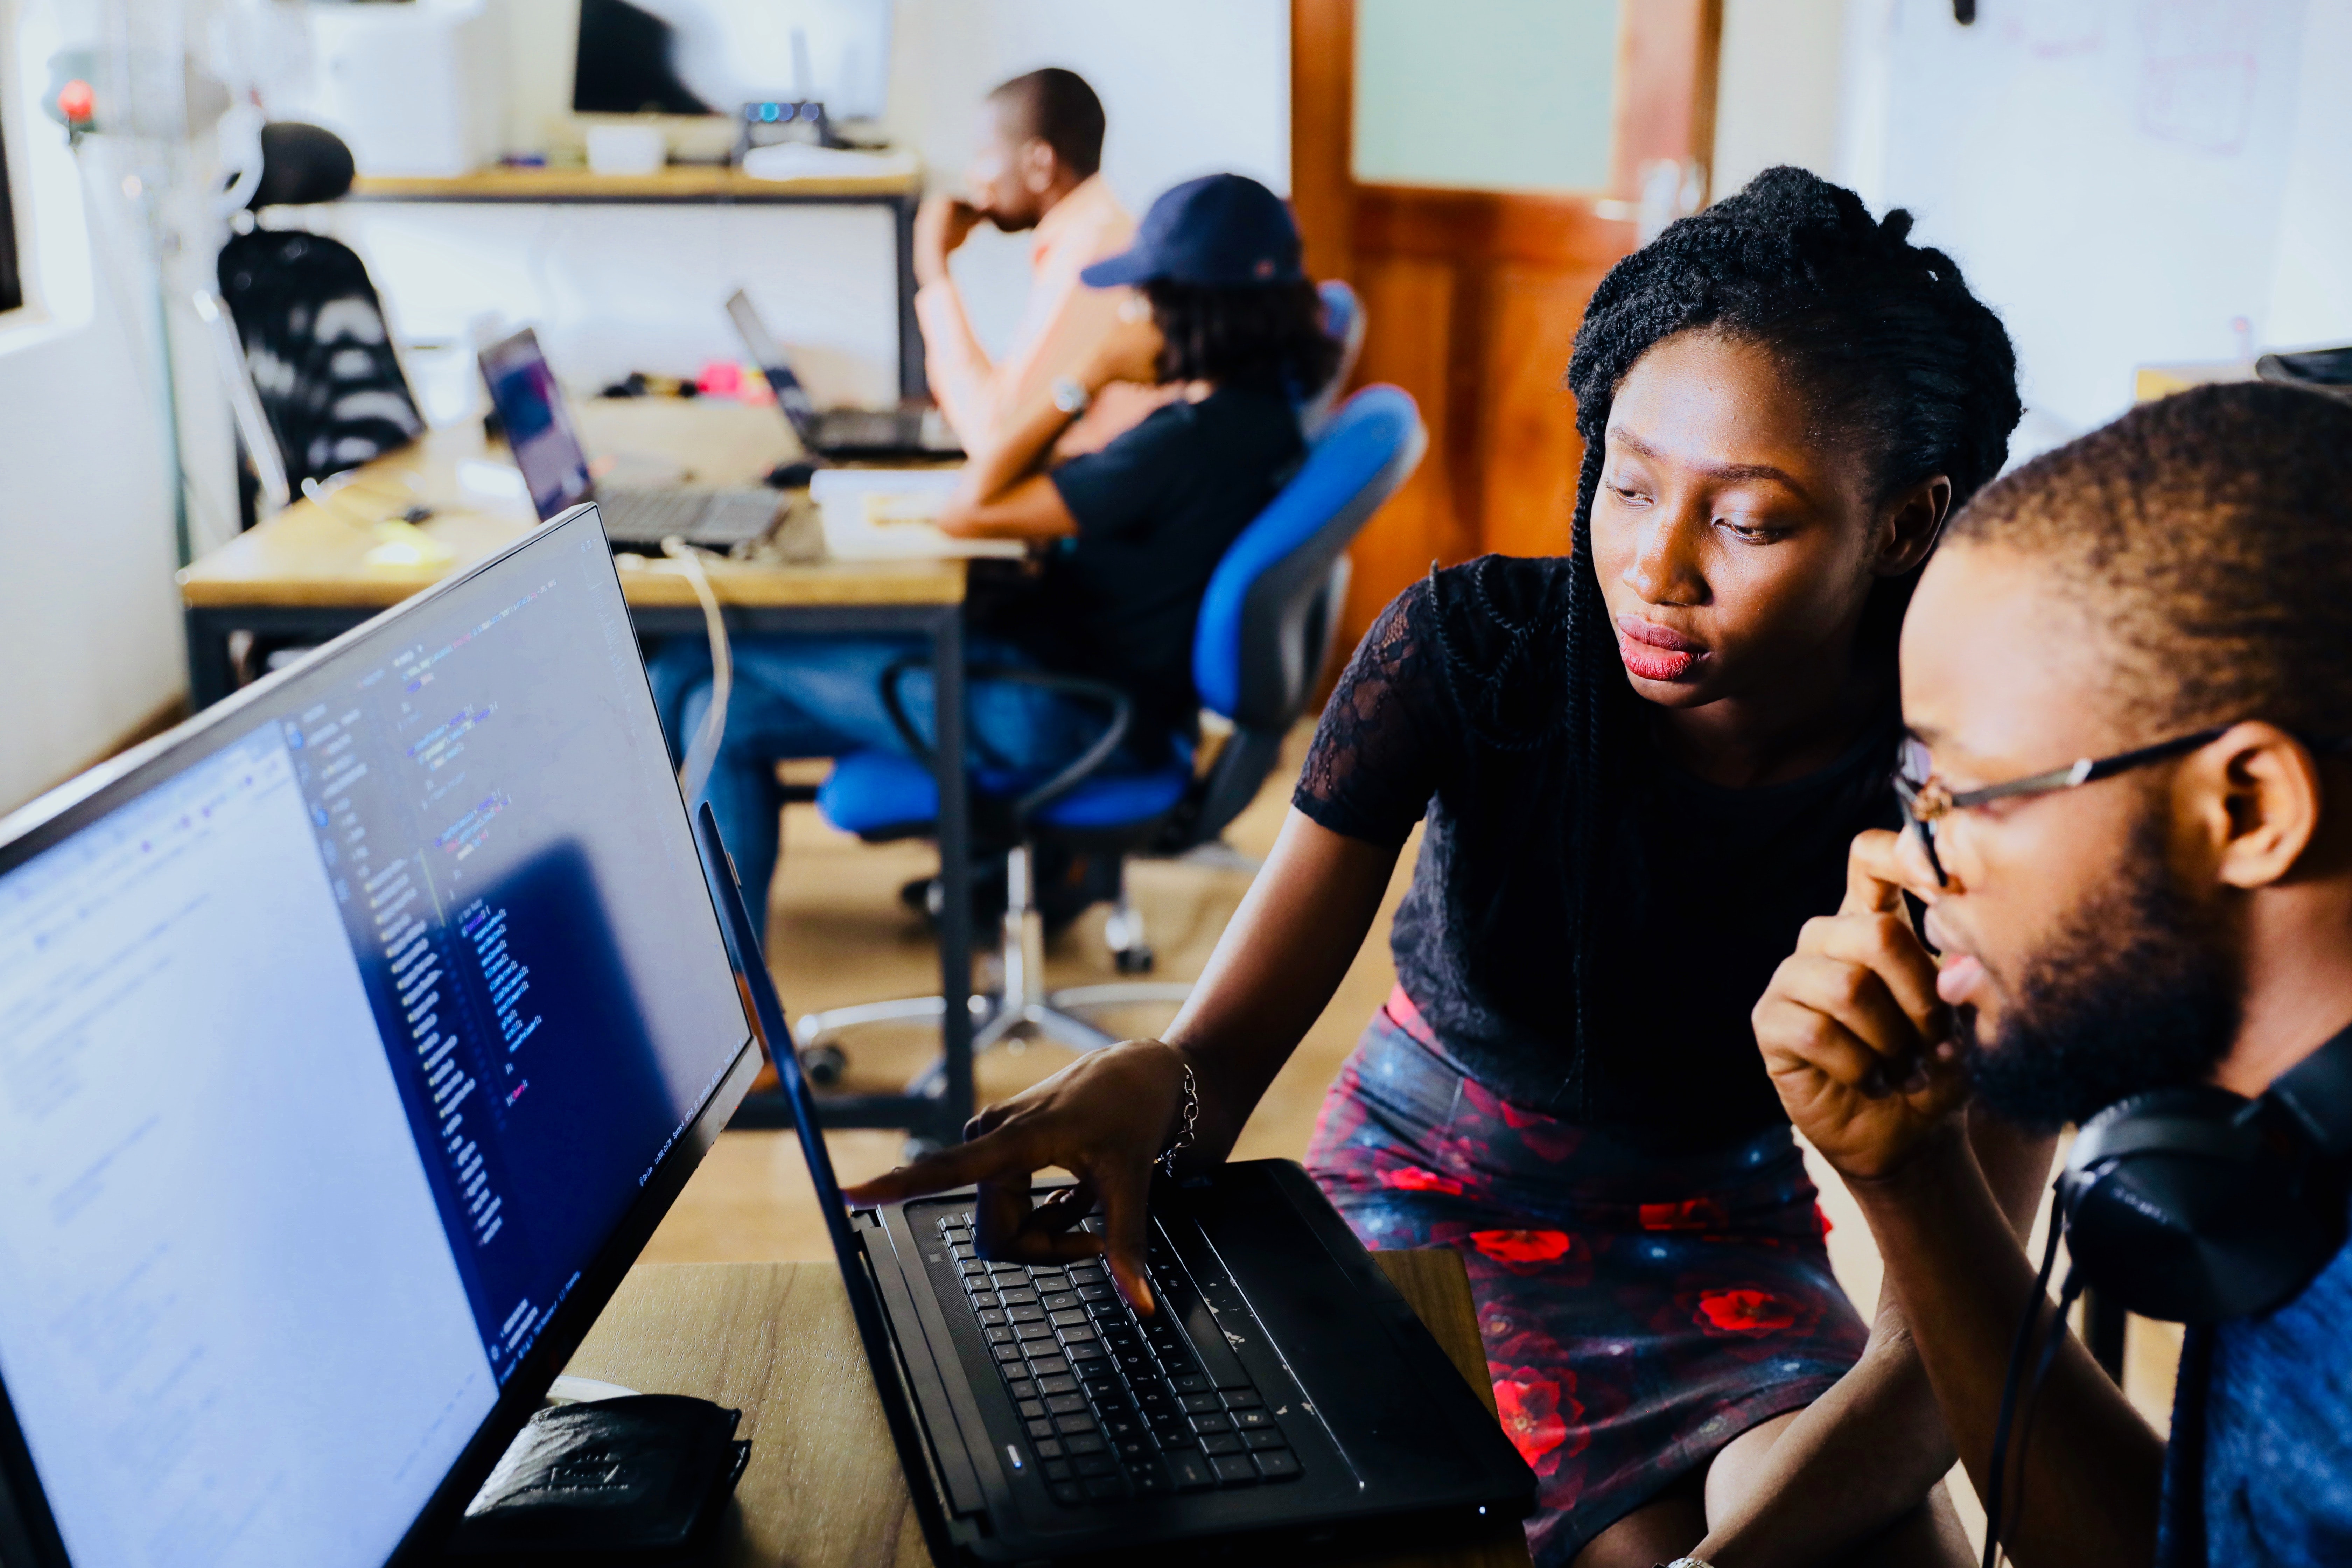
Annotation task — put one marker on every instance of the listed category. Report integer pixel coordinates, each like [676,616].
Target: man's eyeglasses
[1927,801]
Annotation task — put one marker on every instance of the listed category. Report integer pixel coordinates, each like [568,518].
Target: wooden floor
[838,934]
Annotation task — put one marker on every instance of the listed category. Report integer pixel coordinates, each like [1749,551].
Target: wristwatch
[1071,396]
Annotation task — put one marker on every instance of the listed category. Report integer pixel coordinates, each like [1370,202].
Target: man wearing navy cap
[1129,536]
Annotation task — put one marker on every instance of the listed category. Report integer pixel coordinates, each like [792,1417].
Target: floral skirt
[1639,1310]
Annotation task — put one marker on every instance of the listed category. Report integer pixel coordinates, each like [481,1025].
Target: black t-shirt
[1450,707]
[1157,509]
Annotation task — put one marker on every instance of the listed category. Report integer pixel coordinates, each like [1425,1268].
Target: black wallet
[642,1481]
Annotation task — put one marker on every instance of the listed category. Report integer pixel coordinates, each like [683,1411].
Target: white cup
[625,149]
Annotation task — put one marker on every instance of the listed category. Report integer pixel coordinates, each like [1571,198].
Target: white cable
[703,754]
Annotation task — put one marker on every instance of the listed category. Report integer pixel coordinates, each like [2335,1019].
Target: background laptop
[546,445]
[851,432]
[1285,1390]
[357,1033]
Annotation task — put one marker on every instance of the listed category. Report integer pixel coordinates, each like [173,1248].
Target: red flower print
[1822,1214]
[1540,1135]
[1536,1415]
[1691,1213]
[1414,1179]
[1746,1312]
[1523,1245]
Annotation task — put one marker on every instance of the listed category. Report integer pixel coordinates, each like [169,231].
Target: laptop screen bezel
[504,353]
[763,347]
[50,819]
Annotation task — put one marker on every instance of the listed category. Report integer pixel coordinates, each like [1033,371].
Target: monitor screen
[712,57]
[336,1042]
[538,423]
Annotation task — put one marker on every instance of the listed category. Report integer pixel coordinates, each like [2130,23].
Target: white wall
[89,628]
[1187,91]
[2127,181]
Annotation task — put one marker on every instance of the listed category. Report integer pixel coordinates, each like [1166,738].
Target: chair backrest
[318,351]
[1257,650]
[1343,318]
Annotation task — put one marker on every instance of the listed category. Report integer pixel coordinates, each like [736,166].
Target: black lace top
[1450,707]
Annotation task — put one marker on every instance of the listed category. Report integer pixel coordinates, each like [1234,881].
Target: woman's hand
[1104,1119]
[1857,1040]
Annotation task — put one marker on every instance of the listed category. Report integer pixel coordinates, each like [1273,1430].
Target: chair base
[1022,1007]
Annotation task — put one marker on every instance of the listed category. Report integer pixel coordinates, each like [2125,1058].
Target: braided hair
[1899,359]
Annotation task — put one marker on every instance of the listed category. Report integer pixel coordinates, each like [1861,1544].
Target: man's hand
[942,224]
[1855,1038]
[1128,352]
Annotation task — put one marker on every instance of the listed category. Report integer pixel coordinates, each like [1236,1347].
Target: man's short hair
[1058,108]
[2208,537]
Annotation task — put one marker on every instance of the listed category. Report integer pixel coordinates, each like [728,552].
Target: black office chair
[311,326]
[1265,630]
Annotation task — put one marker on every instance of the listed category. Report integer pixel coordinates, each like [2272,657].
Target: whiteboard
[2111,175]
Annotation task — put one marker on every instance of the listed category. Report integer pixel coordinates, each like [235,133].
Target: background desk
[704,185]
[824,1490]
[304,574]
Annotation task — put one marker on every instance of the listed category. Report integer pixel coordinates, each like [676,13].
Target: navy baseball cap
[1225,231]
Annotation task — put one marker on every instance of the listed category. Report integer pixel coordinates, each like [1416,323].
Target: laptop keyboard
[706,517]
[1115,1406]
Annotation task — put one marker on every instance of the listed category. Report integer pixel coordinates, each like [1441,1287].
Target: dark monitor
[353,1038]
[538,423]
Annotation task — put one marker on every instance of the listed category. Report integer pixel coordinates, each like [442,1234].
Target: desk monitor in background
[546,446]
[354,1038]
[870,434]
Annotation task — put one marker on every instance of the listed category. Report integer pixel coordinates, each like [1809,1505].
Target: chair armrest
[1120,705]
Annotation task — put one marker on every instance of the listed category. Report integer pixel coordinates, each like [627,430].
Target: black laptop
[848,433]
[1284,1403]
[546,446]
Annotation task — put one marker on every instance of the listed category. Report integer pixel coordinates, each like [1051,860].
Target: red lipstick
[1654,652]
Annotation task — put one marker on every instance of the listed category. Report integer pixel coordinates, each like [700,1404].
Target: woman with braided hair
[1640,766]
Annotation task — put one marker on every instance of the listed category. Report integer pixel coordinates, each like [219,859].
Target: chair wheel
[919,1148]
[1133,960]
[823,1065]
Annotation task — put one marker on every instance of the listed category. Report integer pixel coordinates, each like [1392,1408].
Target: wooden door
[1472,296]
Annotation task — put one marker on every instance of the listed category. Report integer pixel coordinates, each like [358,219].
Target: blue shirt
[2259,1472]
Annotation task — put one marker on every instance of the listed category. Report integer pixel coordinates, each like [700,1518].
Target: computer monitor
[711,56]
[538,423]
[353,1038]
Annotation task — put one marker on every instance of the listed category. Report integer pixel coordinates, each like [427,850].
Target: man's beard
[2137,992]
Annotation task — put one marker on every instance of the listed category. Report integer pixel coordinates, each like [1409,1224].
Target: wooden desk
[824,1490]
[305,574]
[695,182]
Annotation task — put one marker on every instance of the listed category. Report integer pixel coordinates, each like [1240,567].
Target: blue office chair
[1343,318]
[1264,633]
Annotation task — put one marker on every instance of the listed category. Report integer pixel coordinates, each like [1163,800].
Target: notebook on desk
[892,514]
[1285,1401]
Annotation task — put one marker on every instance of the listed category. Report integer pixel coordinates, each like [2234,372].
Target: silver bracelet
[1071,396]
[1183,1139]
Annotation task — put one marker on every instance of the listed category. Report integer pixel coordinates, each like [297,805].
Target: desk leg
[914,382]
[211,674]
[955,876]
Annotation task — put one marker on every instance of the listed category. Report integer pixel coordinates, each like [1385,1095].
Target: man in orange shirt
[1038,172]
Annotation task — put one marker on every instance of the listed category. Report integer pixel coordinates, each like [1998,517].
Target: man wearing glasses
[2127,676]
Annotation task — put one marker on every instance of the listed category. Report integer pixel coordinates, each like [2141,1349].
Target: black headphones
[2195,1204]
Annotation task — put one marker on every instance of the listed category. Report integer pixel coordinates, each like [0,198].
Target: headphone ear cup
[2182,1207]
